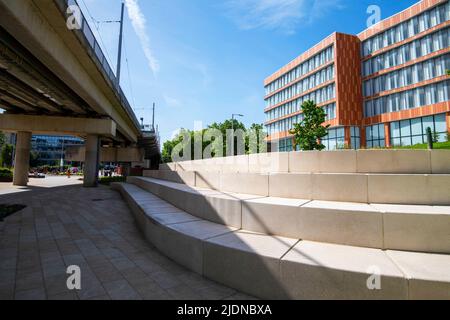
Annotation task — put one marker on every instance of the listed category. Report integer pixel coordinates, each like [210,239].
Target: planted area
[6,175]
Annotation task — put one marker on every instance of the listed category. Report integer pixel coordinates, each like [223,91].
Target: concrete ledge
[248,262]
[396,227]
[416,189]
[348,161]
[257,184]
[272,267]
[268,162]
[409,189]
[314,270]
[425,282]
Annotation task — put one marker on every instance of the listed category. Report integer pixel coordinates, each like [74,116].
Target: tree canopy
[310,130]
[209,139]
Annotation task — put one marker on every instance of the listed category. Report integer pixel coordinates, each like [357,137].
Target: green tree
[308,132]
[448,72]
[6,155]
[34,159]
[2,139]
[255,129]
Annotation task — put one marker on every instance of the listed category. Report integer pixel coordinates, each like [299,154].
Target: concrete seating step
[274,267]
[397,227]
[416,189]
[344,161]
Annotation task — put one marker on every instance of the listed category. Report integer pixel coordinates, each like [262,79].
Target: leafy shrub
[108,180]
[6,173]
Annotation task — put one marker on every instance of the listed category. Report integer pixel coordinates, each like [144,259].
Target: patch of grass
[108,180]
[437,146]
[8,209]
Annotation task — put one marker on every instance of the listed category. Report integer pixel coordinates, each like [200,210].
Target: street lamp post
[232,129]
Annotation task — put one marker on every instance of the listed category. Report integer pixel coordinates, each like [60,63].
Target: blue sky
[203,60]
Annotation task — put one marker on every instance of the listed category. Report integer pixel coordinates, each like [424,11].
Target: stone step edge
[389,227]
[416,189]
[411,280]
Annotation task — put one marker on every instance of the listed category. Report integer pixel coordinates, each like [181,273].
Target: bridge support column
[92,159]
[22,158]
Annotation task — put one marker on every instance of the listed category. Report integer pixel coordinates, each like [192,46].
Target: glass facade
[407,29]
[375,136]
[414,131]
[410,51]
[51,148]
[426,70]
[285,145]
[355,137]
[288,124]
[302,86]
[335,139]
[306,67]
[419,97]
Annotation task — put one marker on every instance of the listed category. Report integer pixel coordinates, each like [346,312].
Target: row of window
[313,63]
[284,125]
[407,29]
[427,70]
[414,131]
[335,139]
[419,97]
[319,96]
[287,124]
[375,136]
[410,51]
[39,141]
[306,84]
[403,133]
[285,145]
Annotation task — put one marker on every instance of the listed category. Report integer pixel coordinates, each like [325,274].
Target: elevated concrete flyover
[56,80]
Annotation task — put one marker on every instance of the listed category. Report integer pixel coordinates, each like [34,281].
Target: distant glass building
[51,148]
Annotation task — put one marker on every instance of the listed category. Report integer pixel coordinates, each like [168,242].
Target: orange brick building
[383,87]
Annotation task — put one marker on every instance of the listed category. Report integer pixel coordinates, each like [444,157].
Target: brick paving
[93,229]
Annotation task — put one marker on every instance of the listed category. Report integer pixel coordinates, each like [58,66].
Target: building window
[410,51]
[313,63]
[410,99]
[355,134]
[427,70]
[285,145]
[335,139]
[330,110]
[375,136]
[414,131]
[407,29]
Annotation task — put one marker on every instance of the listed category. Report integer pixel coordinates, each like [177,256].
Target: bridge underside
[37,101]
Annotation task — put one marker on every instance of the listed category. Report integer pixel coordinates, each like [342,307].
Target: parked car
[36,175]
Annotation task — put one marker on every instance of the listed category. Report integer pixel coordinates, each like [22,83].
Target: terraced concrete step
[417,189]
[274,267]
[345,161]
[397,227]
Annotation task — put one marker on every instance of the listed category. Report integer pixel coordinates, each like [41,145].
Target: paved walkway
[91,228]
[35,184]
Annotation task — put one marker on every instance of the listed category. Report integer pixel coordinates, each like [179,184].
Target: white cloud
[139,24]
[171,101]
[284,15]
